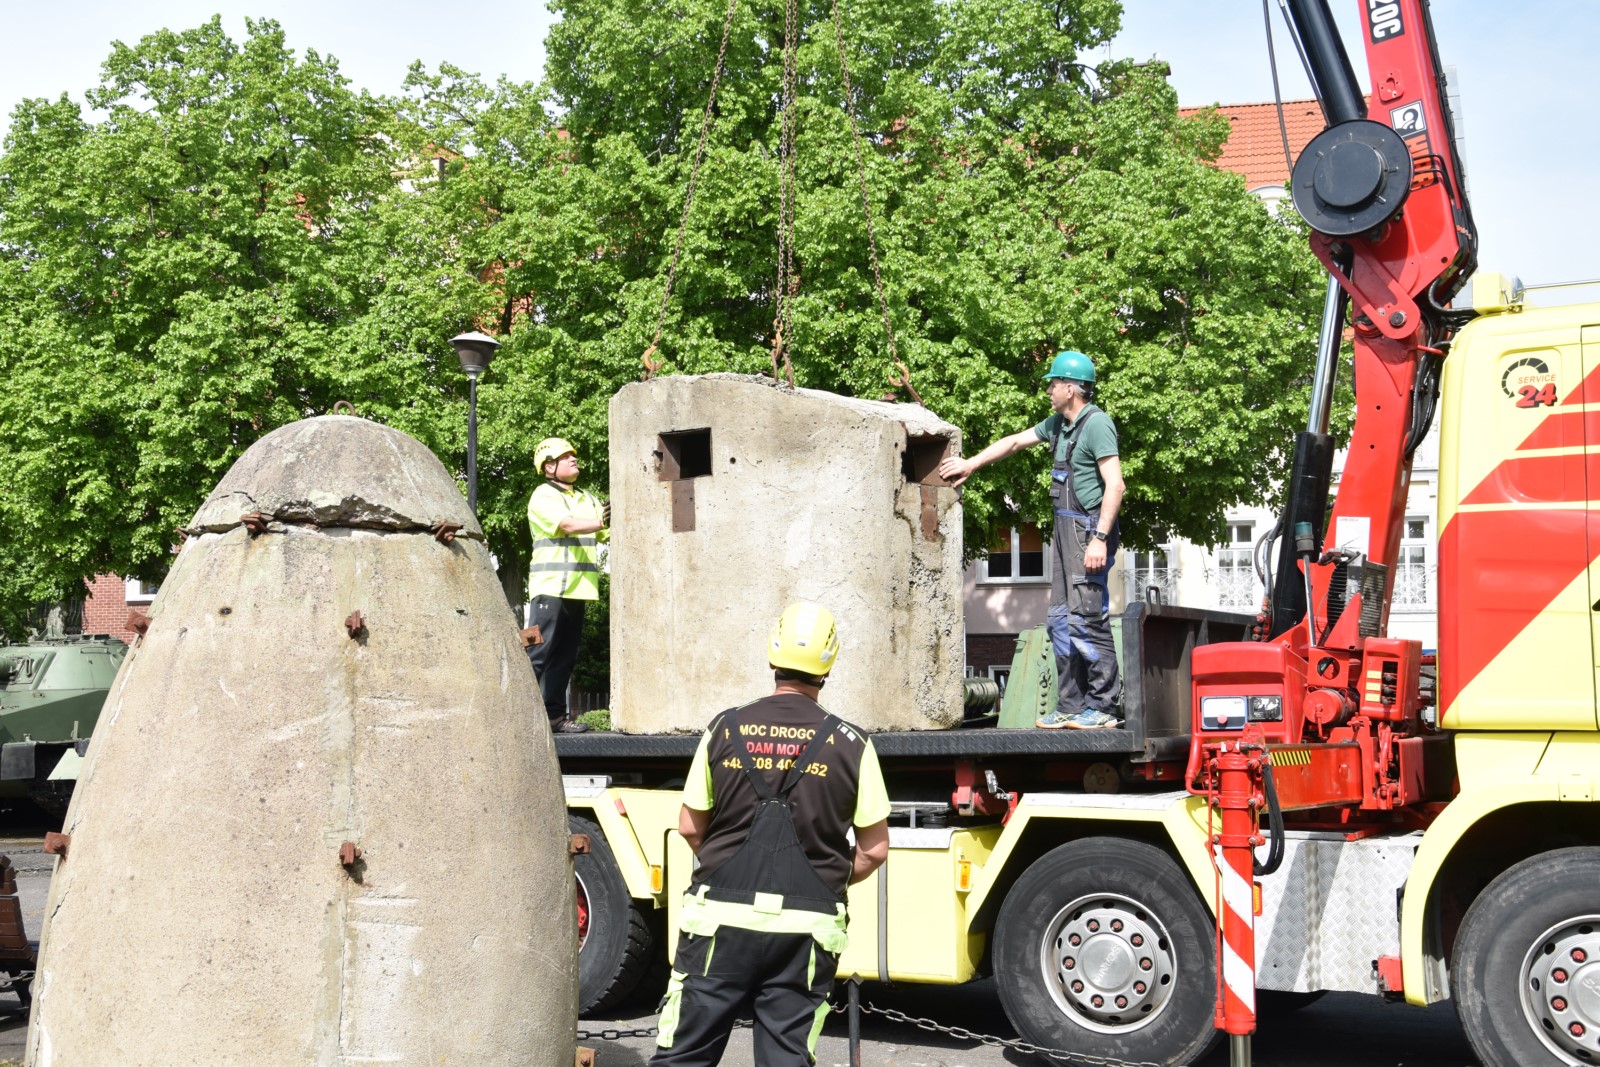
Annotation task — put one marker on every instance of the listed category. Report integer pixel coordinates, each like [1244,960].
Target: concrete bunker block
[321,821]
[733,496]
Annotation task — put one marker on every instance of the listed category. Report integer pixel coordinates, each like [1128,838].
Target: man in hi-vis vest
[567,523]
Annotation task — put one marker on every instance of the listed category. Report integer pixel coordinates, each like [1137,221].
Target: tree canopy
[236,239]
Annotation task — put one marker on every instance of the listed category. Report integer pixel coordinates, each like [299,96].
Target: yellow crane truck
[1298,803]
[1009,845]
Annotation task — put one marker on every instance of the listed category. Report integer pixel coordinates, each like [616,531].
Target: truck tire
[1104,948]
[615,938]
[1525,973]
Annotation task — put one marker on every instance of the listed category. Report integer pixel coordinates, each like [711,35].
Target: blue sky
[1527,78]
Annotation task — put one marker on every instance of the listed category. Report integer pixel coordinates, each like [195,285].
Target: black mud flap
[16,760]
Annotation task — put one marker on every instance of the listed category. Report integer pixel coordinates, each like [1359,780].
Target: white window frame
[1229,556]
[1430,566]
[135,591]
[985,578]
[1001,673]
[1169,560]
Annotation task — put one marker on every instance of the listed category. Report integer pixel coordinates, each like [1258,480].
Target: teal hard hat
[1073,365]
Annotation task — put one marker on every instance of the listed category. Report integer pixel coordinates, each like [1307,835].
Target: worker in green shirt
[1086,490]
[567,525]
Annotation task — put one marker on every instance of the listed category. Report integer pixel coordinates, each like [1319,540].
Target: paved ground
[1341,1030]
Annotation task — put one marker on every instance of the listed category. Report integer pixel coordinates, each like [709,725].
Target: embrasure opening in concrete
[924,452]
[685,454]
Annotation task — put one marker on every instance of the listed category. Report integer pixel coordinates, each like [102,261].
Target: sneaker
[1087,719]
[567,726]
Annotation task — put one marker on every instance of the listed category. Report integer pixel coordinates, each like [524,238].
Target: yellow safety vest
[562,564]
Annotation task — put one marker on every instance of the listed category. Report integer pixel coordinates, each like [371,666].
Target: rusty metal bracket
[355,624]
[349,853]
[445,532]
[577,844]
[138,622]
[56,844]
[585,1057]
[531,636]
[254,521]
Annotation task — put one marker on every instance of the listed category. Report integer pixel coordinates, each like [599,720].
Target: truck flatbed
[941,743]
[1154,644]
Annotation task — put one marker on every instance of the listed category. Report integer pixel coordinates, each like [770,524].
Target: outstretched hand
[956,470]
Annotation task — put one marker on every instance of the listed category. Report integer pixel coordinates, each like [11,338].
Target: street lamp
[475,351]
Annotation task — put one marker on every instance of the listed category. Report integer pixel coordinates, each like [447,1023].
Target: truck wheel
[1526,969]
[614,936]
[1103,948]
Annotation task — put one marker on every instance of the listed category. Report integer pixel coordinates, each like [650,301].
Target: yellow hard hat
[551,448]
[805,639]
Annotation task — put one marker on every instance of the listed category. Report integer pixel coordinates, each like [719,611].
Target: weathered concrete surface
[315,471]
[807,496]
[202,914]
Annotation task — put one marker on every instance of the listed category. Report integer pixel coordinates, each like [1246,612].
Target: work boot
[567,726]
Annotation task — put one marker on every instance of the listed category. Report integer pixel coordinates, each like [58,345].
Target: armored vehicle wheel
[1526,969]
[615,938]
[1104,948]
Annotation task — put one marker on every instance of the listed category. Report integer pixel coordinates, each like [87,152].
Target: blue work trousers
[1079,618]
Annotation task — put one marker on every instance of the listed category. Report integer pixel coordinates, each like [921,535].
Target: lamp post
[475,351]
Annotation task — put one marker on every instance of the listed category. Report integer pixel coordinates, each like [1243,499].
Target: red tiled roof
[1255,147]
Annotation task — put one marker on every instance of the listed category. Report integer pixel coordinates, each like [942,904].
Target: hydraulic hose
[1274,820]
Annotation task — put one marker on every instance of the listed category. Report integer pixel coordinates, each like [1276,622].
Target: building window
[1413,568]
[1153,577]
[1236,571]
[1017,556]
[140,591]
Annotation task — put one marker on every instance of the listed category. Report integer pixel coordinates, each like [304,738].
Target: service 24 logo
[1530,382]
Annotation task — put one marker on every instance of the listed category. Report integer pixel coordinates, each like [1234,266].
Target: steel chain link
[788,278]
[861,172]
[615,1035]
[961,1033]
[611,1034]
[688,197]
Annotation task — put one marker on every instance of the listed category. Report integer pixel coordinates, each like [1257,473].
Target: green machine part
[51,693]
[1032,690]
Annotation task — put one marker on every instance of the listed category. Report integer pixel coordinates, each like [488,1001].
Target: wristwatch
[1098,536]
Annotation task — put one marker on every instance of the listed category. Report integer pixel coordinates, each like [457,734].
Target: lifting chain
[788,280]
[961,1033]
[866,202]
[651,365]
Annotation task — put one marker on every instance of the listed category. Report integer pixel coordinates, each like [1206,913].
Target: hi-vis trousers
[780,979]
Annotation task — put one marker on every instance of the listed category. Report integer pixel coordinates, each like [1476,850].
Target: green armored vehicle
[51,690]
